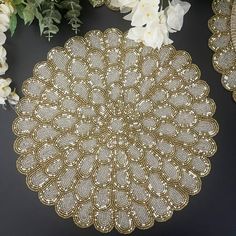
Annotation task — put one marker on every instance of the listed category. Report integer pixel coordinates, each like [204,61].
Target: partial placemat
[223,42]
[104,2]
[113,133]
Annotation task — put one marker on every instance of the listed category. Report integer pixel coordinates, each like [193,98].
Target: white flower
[145,12]
[6,9]
[3,63]
[2,38]
[13,98]
[175,14]
[3,67]
[2,101]
[4,22]
[136,33]
[152,24]
[6,93]
[185,5]
[5,90]
[154,34]
[3,52]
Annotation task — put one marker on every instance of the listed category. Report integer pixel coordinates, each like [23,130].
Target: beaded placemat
[223,42]
[113,133]
[105,2]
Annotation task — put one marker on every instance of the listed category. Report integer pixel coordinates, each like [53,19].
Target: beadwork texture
[113,133]
[223,42]
[106,2]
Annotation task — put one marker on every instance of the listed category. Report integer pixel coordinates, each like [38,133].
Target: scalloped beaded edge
[229,47]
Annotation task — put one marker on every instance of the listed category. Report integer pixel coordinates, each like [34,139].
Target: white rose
[2,38]
[3,52]
[3,63]
[6,93]
[5,90]
[3,67]
[6,8]
[13,98]
[4,22]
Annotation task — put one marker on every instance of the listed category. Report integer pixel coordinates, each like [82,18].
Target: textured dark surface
[212,212]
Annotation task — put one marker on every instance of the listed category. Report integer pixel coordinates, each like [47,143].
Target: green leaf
[18,2]
[20,9]
[71,14]
[68,4]
[53,30]
[73,9]
[13,23]
[39,16]
[41,27]
[48,13]
[39,2]
[28,14]
[53,14]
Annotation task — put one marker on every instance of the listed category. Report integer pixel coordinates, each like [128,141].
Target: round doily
[223,42]
[113,133]
[105,2]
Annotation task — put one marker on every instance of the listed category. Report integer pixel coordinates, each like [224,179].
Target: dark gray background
[212,212]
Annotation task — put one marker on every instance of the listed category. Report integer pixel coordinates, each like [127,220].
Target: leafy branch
[49,18]
[48,13]
[73,9]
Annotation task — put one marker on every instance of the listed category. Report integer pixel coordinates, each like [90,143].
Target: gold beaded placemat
[223,42]
[113,133]
[104,2]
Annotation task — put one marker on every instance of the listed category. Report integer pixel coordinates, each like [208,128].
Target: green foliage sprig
[73,9]
[48,13]
[50,16]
